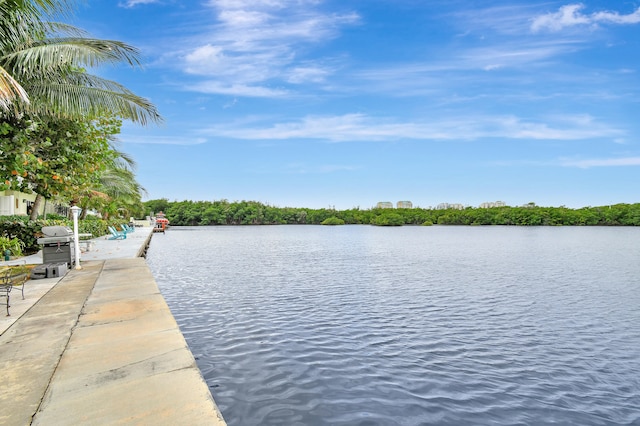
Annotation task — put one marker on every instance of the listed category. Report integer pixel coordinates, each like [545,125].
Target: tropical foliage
[42,67]
[224,212]
[388,219]
[12,245]
[27,231]
[57,121]
[332,221]
[55,158]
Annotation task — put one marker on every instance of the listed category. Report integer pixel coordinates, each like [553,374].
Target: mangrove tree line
[223,212]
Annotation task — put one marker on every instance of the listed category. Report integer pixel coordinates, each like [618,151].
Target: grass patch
[19,273]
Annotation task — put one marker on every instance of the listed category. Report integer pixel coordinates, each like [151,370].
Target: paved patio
[101,249]
[100,347]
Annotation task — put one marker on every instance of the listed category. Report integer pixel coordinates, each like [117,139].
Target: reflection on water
[359,325]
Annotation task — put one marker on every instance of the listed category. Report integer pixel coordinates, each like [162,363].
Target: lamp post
[75,210]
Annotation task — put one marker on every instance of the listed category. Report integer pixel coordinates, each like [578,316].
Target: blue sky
[313,103]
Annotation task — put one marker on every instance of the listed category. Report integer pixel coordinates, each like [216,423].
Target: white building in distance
[491,204]
[404,205]
[384,205]
[445,206]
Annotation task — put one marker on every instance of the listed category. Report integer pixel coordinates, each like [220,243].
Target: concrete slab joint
[102,347]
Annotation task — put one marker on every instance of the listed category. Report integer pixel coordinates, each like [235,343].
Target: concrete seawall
[102,347]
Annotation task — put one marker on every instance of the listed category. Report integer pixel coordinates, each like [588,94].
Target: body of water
[362,325]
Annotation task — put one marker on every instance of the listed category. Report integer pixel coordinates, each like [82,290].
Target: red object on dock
[161,223]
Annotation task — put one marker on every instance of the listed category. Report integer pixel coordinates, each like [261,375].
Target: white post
[75,210]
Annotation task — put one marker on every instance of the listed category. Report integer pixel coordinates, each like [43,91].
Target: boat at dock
[161,223]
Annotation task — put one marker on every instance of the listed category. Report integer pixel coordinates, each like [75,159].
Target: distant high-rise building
[384,205]
[445,206]
[404,205]
[490,204]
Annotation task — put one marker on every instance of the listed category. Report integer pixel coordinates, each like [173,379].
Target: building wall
[384,205]
[491,204]
[19,203]
[445,206]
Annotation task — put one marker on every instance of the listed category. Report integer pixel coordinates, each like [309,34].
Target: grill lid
[54,240]
[56,231]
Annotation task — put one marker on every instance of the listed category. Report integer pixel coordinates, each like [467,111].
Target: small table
[87,244]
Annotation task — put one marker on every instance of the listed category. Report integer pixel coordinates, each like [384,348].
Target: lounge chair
[117,235]
[127,228]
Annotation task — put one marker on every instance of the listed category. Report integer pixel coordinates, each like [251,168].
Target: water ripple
[410,326]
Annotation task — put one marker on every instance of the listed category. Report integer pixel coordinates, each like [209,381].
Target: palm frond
[38,61]
[87,95]
[126,161]
[10,91]
[120,182]
[53,55]
[37,7]
[123,160]
[63,28]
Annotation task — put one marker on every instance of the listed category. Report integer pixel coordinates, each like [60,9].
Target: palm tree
[124,192]
[41,67]
[10,90]
[117,188]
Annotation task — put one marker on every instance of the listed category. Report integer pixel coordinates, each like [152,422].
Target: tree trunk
[35,207]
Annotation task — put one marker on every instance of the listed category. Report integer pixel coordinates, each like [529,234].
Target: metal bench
[8,279]
[5,287]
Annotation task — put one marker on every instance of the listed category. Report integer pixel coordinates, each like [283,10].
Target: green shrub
[53,216]
[14,245]
[427,223]
[388,219]
[27,231]
[92,226]
[98,227]
[332,221]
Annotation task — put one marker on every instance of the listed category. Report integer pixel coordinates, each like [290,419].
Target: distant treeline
[223,212]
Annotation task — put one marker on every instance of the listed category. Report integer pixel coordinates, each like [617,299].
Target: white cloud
[224,88]
[305,74]
[243,18]
[133,3]
[570,15]
[359,127]
[206,53]
[259,41]
[566,16]
[241,4]
[457,70]
[510,20]
[508,55]
[602,162]
[205,60]
[616,18]
[230,104]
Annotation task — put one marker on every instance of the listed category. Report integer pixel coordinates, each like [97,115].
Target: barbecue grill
[57,245]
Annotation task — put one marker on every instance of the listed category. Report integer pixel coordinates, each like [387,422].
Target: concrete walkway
[34,290]
[101,348]
[101,248]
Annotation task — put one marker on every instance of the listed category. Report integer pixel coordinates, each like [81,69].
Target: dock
[100,347]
